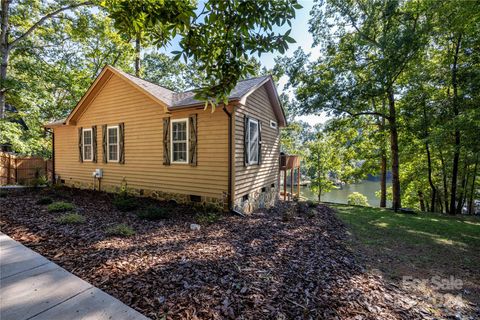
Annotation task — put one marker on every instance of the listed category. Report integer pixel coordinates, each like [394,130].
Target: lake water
[367,188]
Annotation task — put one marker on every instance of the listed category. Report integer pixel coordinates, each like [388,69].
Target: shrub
[357,199]
[44,200]
[120,230]
[40,181]
[70,218]
[207,218]
[311,204]
[154,213]
[125,204]
[3,194]
[60,206]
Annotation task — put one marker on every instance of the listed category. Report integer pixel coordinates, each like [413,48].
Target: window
[87,145]
[179,141]
[273,124]
[112,143]
[252,141]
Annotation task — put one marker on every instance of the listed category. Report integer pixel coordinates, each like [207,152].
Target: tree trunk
[456,154]
[472,188]
[383,165]
[422,201]
[137,55]
[396,201]
[445,184]
[5,52]
[462,192]
[429,161]
[383,181]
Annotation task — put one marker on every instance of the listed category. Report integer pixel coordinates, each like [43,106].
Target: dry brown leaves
[259,267]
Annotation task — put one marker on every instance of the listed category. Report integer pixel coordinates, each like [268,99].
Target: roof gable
[171,100]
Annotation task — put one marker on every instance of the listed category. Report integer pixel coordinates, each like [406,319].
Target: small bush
[208,218]
[358,199]
[154,213]
[70,218]
[60,206]
[120,230]
[40,181]
[44,200]
[311,204]
[125,204]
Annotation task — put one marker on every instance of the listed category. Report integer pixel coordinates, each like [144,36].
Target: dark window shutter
[94,143]
[193,139]
[121,142]
[259,142]
[80,144]
[166,141]
[104,143]
[245,141]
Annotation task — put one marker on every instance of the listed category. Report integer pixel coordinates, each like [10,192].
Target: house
[163,144]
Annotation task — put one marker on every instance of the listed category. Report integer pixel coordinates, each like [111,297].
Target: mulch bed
[290,262]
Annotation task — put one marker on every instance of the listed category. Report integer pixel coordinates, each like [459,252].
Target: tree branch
[46,17]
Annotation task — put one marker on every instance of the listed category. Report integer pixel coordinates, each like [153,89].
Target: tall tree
[12,35]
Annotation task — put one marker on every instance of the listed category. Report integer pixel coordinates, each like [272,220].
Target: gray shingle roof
[159,92]
[184,99]
[177,100]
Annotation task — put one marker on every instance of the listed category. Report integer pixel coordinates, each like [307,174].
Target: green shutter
[166,141]
[193,139]
[80,144]
[104,143]
[259,142]
[245,141]
[121,142]
[94,143]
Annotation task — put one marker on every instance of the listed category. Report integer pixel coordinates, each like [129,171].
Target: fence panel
[23,170]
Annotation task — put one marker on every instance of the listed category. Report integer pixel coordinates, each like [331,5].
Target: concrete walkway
[32,287]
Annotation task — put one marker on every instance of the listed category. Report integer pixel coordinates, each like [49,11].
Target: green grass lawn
[421,245]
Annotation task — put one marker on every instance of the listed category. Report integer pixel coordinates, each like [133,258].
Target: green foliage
[357,199]
[154,213]
[3,194]
[207,218]
[120,230]
[70,218]
[125,204]
[60,206]
[44,200]
[40,181]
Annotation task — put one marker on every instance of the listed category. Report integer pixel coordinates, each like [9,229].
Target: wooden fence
[20,170]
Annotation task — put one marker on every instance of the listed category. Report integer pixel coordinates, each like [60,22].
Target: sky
[303,39]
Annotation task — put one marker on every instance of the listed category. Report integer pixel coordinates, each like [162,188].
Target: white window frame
[249,141]
[108,143]
[187,140]
[91,144]
[273,124]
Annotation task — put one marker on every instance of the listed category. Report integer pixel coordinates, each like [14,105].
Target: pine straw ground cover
[286,263]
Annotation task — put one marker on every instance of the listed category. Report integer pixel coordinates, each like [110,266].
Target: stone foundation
[257,199]
[220,203]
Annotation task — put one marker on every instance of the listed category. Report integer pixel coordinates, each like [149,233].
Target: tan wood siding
[143,169]
[254,177]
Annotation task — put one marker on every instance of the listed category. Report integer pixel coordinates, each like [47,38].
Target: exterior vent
[194,198]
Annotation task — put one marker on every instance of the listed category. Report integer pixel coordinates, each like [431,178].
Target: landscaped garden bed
[290,262]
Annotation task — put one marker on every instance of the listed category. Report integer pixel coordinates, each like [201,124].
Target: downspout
[230,163]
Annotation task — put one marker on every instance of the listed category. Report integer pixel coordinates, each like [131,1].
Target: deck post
[298,181]
[291,183]
[284,185]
